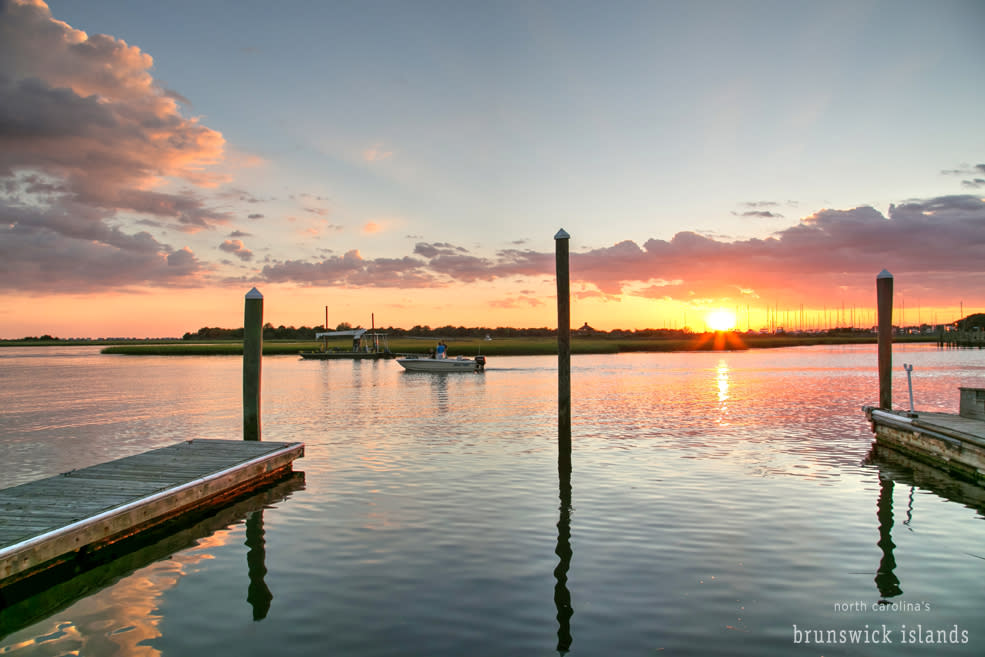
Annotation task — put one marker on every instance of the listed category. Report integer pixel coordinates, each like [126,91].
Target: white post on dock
[252,357]
[884,302]
[563,335]
[909,384]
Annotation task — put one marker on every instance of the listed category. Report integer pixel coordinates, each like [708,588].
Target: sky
[409,163]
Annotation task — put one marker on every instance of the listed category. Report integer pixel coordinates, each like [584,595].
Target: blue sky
[477,129]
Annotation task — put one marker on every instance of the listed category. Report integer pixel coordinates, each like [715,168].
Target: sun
[720,320]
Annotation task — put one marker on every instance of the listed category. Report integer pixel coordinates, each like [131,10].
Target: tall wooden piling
[252,357]
[563,335]
[562,596]
[884,300]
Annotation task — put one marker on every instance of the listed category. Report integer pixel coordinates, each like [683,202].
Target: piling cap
[561,235]
[254,294]
[884,274]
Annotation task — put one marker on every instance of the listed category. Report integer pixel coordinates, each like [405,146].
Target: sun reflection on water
[723,396]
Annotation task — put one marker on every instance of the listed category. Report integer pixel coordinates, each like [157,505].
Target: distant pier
[72,516]
[963,338]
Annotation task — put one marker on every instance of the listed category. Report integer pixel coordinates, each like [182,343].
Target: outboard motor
[480,363]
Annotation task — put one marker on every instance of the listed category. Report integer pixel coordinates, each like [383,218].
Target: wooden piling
[252,358]
[563,334]
[884,300]
[562,596]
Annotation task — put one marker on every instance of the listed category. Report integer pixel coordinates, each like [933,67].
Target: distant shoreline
[526,346]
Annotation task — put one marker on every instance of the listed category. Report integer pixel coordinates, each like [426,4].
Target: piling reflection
[896,468]
[562,596]
[257,594]
[886,580]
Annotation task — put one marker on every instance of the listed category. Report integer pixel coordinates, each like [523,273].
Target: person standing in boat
[440,352]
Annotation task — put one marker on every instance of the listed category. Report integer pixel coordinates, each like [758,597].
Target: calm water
[719,504]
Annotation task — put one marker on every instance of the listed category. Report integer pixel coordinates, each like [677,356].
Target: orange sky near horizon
[171,313]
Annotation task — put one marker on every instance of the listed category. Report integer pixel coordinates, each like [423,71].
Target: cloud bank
[86,134]
[937,244]
[934,243]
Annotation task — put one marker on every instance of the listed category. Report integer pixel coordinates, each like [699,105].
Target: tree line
[307,333]
[974,321]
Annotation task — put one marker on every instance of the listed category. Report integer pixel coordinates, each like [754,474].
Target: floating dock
[366,345]
[955,443]
[70,517]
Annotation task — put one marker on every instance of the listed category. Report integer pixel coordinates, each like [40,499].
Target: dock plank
[53,519]
[966,428]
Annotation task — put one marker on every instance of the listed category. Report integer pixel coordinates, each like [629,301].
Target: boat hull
[441,364]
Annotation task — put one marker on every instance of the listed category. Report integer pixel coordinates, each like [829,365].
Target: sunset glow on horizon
[709,167]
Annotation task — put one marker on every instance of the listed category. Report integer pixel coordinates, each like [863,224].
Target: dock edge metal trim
[899,422]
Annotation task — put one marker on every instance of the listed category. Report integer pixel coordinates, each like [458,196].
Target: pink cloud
[520,301]
[48,251]
[236,248]
[86,133]
[934,244]
[352,270]
[376,154]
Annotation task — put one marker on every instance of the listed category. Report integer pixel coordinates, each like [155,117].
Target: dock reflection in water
[904,470]
[48,598]
[894,468]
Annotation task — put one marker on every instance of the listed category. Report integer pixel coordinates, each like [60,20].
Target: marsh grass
[504,346]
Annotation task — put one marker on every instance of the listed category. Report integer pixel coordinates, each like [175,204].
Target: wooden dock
[954,443]
[71,516]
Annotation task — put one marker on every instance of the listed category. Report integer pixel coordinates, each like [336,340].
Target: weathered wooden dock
[70,516]
[954,443]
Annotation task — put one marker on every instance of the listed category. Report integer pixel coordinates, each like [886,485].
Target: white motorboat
[459,364]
